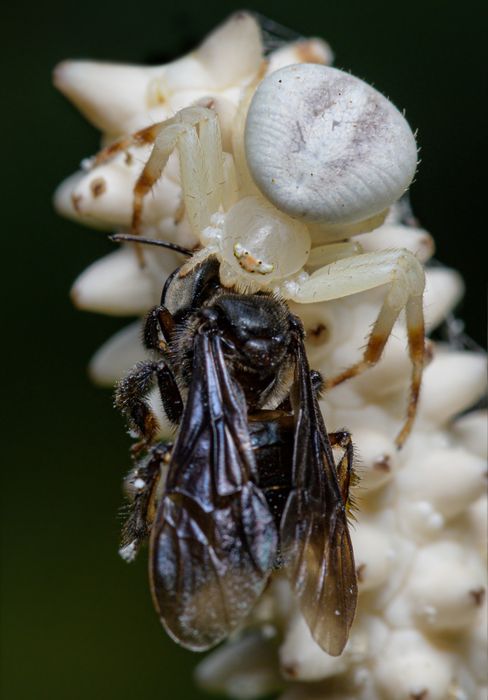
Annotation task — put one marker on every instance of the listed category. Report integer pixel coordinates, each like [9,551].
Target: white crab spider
[318,155]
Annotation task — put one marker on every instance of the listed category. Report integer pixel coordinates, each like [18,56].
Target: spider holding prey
[318,156]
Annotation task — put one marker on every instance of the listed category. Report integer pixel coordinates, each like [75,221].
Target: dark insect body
[246,489]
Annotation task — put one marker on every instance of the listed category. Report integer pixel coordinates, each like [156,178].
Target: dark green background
[77,621]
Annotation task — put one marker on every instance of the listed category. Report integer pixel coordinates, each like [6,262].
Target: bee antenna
[120,237]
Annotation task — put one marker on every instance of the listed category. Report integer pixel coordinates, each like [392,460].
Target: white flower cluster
[420,535]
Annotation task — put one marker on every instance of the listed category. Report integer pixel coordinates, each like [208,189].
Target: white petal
[106,193]
[117,355]
[446,586]
[477,644]
[453,382]
[302,659]
[478,520]
[303,51]
[420,519]
[226,109]
[243,668]
[409,666]
[376,457]
[374,554]
[108,94]
[186,74]
[443,290]
[449,479]
[66,203]
[388,598]
[471,431]
[233,51]
[117,285]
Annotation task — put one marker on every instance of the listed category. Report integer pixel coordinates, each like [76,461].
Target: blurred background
[77,622]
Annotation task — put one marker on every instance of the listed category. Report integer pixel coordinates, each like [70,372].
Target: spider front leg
[195,133]
[404,275]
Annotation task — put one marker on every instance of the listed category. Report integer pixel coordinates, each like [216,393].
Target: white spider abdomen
[325,147]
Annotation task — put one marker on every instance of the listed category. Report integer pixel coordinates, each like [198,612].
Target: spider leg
[330,252]
[195,132]
[404,275]
[145,136]
[139,138]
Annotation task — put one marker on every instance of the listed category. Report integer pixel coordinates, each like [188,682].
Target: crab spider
[318,156]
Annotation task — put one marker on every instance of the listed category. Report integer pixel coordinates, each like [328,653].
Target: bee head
[255,327]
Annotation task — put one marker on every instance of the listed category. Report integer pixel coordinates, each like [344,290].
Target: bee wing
[214,541]
[315,541]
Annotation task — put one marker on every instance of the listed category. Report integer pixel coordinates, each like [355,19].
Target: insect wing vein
[214,540]
[315,541]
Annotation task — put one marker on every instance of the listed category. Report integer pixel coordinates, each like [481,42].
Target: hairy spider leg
[200,154]
[195,133]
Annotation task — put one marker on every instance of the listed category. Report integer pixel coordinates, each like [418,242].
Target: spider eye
[262,243]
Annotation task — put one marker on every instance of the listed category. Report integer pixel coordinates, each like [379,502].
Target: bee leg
[141,486]
[158,329]
[285,405]
[317,388]
[158,332]
[345,466]
[131,398]
[317,383]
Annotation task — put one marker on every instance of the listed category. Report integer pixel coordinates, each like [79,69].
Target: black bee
[247,489]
